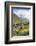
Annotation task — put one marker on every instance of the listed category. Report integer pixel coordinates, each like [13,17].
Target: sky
[25,13]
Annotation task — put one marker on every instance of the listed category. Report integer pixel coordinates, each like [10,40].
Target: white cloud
[23,12]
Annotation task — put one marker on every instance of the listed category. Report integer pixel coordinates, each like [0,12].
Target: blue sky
[24,12]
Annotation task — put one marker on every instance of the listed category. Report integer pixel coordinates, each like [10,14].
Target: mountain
[17,19]
[25,20]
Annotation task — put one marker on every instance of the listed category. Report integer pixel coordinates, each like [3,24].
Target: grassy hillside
[20,27]
[16,19]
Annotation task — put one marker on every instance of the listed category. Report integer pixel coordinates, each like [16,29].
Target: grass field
[22,30]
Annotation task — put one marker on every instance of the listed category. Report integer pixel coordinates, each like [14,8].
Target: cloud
[22,12]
